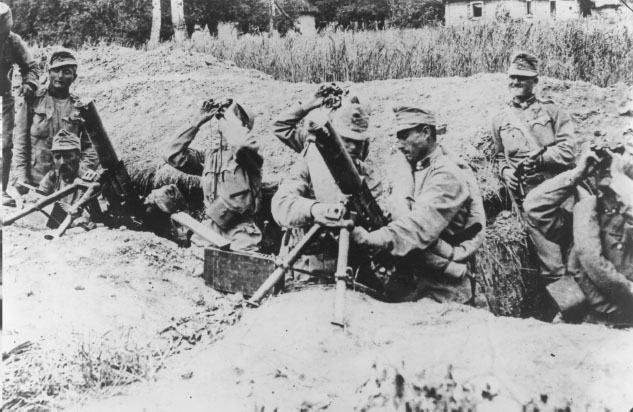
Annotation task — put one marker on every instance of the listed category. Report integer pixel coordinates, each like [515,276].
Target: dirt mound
[147,96]
[287,355]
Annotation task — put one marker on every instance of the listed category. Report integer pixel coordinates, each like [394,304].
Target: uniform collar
[525,104]
[426,162]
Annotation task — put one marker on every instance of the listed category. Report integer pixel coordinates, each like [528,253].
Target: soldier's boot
[7,200]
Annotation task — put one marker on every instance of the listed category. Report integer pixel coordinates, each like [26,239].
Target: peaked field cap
[65,140]
[407,117]
[523,64]
[61,58]
[351,121]
[4,9]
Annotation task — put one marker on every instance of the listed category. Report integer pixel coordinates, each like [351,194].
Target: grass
[570,50]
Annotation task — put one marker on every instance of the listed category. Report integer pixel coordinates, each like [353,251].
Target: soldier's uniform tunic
[231,181]
[36,124]
[308,182]
[440,210]
[600,242]
[523,128]
[53,182]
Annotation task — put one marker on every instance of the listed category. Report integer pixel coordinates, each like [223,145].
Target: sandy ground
[136,290]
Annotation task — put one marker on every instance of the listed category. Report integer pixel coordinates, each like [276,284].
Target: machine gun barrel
[340,164]
[120,194]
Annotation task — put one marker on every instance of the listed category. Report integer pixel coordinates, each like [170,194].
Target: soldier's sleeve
[179,155]
[29,69]
[476,218]
[563,153]
[500,156]
[22,144]
[286,127]
[601,271]
[443,195]
[89,157]
[292,203]
[544,207]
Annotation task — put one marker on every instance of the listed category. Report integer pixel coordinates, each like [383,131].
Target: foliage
[416,14]
[75,22]
[572,50]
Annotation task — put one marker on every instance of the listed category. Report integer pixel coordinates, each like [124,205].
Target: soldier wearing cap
[525,126]
[66,153]
[598,230]
[308,194]
[443,218]
[13,50]
[231,175]
[39,120]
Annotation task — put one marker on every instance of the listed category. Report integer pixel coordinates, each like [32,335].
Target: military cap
[523,64]
[65,140]
[61,58]
[407,117]
[351,121]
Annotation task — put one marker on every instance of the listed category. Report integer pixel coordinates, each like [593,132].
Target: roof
[299,6]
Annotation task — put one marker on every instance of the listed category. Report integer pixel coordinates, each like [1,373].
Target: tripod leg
[341,277]
[290,260]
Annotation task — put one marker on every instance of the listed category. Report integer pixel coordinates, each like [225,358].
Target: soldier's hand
[511,180]
[27,91]
[586,164]
[532,165]
[370,240]
[330,214]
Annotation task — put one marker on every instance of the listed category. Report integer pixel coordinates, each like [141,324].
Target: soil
[135,290]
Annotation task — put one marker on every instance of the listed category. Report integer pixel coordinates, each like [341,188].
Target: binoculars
[332,95]
[218,105]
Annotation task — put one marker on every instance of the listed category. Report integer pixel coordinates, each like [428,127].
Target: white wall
[458,13]
[307,25]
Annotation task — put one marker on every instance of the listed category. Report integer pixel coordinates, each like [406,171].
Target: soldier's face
[522,86]
[67,162]
[62,77]
[414,143]
[354,147]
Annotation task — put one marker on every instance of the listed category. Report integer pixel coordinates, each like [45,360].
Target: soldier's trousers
[550,258]
[8,123]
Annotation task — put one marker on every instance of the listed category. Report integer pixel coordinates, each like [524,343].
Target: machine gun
[521,176]
[359,206]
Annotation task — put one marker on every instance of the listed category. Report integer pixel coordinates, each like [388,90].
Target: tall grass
[571,50]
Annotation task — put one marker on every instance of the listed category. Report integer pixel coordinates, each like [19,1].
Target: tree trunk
[156,23]
[271,24]
[178,20]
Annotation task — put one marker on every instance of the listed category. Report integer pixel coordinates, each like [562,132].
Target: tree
[178,20]
[156,23]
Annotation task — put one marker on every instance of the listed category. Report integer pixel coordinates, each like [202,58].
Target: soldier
[309,194]
[598,231]
[51,110]
[13,50]
[444,218]
[231,174]
[66,153]
[521,131]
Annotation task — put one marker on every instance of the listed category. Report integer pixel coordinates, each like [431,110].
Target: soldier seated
[66,154]
[309,194]
[231,174]
[598,231]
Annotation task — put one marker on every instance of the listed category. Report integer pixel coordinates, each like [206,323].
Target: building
[461,11]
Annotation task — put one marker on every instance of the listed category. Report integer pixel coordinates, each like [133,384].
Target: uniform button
[619,246]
